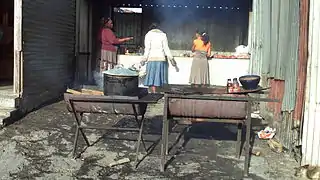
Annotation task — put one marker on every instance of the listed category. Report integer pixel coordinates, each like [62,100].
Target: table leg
[140,124]
[79,129]
[75,143]
[248,137]
[140,138]
[164,145]
[167,127]
[239,140]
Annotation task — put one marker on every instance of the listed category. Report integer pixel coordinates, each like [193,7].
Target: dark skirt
[156,73]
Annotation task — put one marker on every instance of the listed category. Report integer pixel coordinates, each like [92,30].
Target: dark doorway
[6,42]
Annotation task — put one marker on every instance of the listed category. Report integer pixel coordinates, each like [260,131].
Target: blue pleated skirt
[156,73]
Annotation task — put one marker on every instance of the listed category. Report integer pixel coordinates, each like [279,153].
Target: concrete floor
[39,147]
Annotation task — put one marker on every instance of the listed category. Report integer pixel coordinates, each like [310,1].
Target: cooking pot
[249,82]
[121,81]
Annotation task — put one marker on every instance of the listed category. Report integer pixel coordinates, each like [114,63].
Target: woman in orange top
[199,75]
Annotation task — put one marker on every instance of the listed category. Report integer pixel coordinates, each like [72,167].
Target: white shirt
[156,46]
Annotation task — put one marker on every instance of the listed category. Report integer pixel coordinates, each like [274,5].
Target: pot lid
[119,70]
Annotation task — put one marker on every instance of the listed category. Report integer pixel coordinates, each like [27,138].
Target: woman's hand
[128,38]
[143,62]
[173,62]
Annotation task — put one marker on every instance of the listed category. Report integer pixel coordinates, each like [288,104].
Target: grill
[135,106]
[210,104]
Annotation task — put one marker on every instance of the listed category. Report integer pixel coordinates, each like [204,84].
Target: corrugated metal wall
[275,43]
[49,43]
[290,55]
[129,25]
[84,42]
[311,124]
[303,57]
[275,37]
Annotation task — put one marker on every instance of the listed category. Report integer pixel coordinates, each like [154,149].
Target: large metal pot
[121,82]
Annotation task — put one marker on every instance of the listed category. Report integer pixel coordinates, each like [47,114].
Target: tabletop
[188,90]
[221,97]
[147,99]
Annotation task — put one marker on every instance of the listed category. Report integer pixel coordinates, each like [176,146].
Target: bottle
[229,86]
[236,86]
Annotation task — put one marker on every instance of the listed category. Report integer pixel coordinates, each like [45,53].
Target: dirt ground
[39,146]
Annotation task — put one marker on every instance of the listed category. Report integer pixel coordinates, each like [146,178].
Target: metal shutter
[48,49]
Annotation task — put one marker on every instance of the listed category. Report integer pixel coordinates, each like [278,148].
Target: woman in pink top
[108,46]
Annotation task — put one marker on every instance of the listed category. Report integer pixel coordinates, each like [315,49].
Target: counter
[220,69]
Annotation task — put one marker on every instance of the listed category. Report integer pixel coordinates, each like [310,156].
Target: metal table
[80,104]
[219,97]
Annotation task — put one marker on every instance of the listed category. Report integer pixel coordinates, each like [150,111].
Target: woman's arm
[108,35]
[193,46]
[125,39]
[147,46]
[166,47]
[209,50]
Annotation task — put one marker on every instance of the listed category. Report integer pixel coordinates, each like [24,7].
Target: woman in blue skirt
[156,54]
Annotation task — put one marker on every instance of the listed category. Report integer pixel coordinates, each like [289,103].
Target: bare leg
[153,89]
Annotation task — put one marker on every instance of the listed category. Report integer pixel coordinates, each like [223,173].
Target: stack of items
[242,52]
[233,86]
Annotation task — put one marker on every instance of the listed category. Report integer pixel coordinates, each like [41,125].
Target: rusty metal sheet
[106,108]
[276,92]
[207,108]
[303,59]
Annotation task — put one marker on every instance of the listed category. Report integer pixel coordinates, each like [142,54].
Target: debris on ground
[256,115]
[119,162]
[256,153]
[85,92]
[275,145]
[307,171]
[267,133]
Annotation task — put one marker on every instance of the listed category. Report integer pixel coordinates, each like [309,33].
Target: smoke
[98,78]
[169,18]
[180,20]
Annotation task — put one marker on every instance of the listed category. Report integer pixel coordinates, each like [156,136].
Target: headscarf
[205,38]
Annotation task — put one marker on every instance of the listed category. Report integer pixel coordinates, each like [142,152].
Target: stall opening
[226,23]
